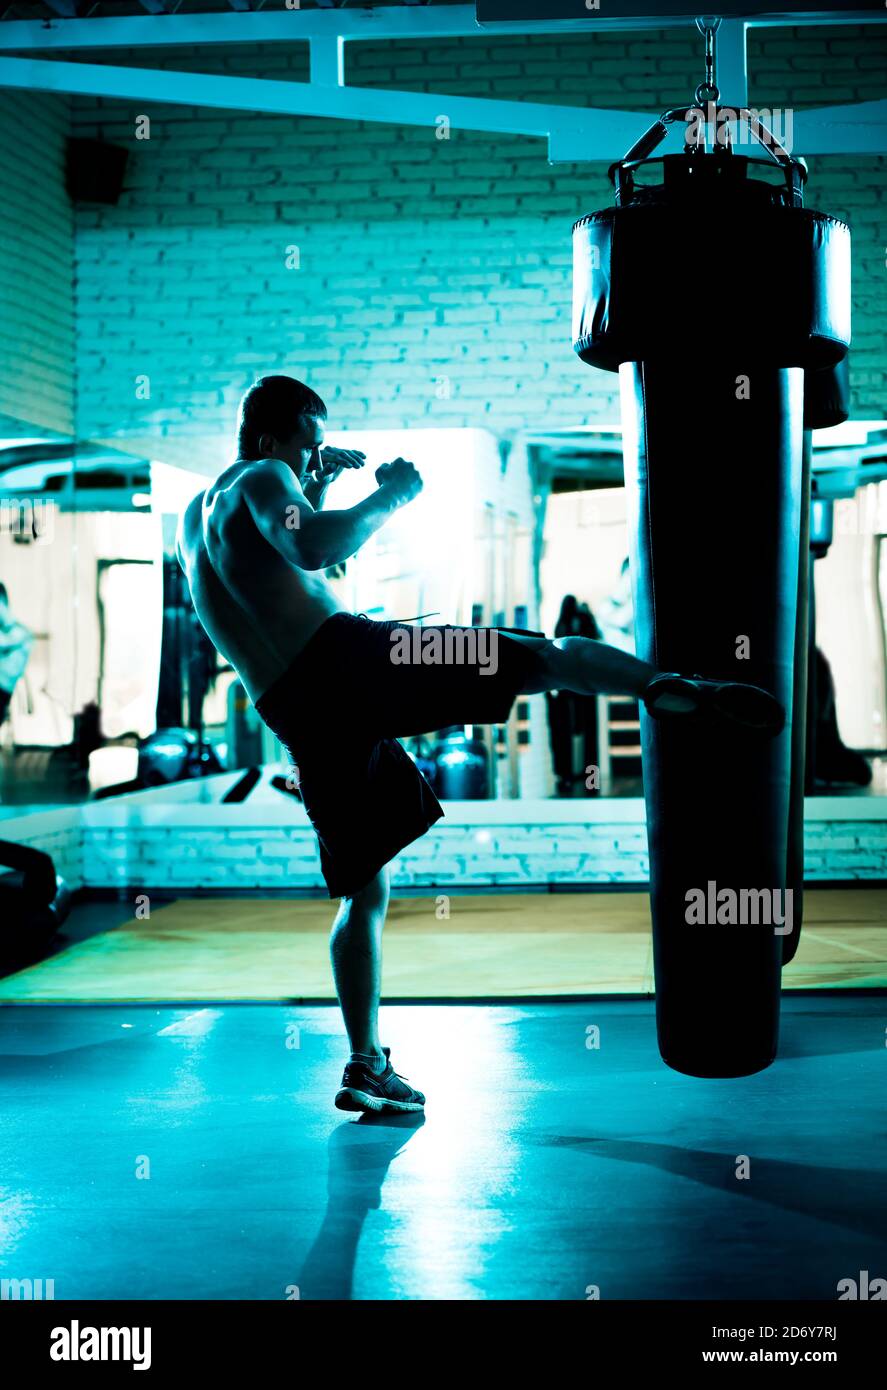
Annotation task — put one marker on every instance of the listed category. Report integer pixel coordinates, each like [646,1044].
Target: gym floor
[151,1151]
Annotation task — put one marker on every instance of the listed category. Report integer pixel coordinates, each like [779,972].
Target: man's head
[281,418]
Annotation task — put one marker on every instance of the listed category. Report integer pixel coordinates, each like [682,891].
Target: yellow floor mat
[509,944]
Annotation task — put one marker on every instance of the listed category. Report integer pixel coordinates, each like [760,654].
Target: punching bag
[826,403]
[711,292]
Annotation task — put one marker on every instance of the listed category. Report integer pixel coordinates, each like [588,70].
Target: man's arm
[315,540]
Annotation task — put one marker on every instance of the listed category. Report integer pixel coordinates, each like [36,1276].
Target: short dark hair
[274,405]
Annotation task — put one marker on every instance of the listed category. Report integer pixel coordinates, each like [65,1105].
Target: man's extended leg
[588,667]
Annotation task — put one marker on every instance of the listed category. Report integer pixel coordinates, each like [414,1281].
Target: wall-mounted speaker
[95,170]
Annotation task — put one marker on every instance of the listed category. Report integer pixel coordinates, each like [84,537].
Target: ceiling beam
[517,11]
[732,62]
[418,22]
[574,133]
[860,129]
[603,134]
[857,129]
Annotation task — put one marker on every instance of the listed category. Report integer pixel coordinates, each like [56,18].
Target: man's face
[302,451]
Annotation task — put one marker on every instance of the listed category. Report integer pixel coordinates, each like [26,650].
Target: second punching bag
[710,293]
[826,404]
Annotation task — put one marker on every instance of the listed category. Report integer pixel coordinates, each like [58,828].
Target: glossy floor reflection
[151,1152]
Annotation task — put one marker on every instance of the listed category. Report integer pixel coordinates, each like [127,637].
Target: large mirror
[110,683]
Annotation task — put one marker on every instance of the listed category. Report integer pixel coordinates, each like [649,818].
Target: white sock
[376,1061]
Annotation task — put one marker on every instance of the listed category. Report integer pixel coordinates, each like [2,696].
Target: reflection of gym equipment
[243,729]
[456,766]
[188,659]
[828,759]
[711,360]
[456,762]
[177,750]
[174,755]
[462,766]
[422,754]
[619,734]
[576,723]
[34,902]
[188,667]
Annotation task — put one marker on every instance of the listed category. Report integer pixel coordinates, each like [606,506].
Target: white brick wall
[469,849]
[36,266]
[418,256]
[181,838]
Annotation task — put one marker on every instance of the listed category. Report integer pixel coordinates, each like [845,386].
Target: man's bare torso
[257,608]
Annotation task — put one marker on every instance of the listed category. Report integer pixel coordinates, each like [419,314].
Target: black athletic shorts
[355,689]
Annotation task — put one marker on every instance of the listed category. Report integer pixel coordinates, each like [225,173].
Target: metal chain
[708,26]
[708,92]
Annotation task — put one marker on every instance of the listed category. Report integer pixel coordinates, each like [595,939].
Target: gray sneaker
[364,1089]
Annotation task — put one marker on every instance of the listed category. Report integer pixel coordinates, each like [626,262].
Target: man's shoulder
[264,480]
[271,465]
[247,473]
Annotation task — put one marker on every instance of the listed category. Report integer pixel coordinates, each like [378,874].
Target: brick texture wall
[36,267]
[273,856]
[181,838]
[418,256]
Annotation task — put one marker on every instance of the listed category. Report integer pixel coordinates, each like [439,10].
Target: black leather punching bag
[711,293]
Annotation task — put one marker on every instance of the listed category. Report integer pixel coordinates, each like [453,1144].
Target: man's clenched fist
[400,479]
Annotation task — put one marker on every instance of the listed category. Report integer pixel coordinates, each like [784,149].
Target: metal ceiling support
[605,134]
[732,49]
[385,22]
[265,26]
[859,129]
[574,133]
[327,56]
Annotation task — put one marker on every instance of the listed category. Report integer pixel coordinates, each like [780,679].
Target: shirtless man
[254,547]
